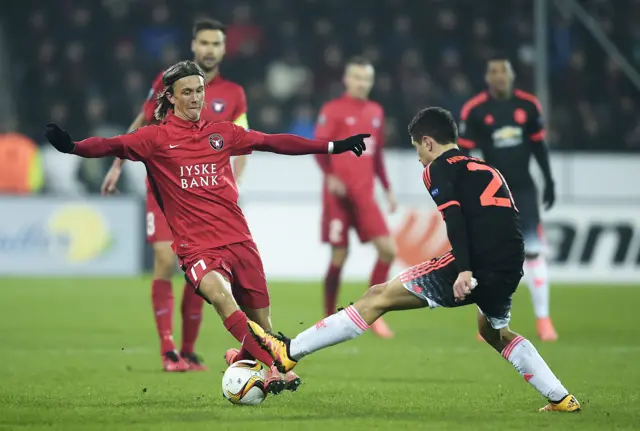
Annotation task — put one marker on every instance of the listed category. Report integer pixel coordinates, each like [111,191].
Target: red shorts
[157,226]
[240,263]
[341,214]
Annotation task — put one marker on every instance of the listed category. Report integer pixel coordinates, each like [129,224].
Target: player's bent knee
[217,291]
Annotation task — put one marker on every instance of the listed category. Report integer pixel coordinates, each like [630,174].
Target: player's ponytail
[163,104]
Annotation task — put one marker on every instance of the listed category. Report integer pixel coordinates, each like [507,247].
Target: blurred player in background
[348,199]
[188,161]
[483,267]
[224,101]
[506,124]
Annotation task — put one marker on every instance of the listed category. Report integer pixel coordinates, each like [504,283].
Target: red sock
[380,272]
[191,317]
[237,325]
[331,285]
[162,300]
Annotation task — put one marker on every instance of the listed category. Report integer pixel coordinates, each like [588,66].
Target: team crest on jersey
[350,121]
[435,192]
[520,116]
[322,119]
[218,105]
[375,122]
[216,141]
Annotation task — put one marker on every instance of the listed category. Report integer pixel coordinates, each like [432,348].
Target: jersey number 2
[488,196]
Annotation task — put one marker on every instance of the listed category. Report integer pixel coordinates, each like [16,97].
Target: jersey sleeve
[468,128]
[138,145]
[439,180]
[535,123]
[240,113]
[244,140]
[326,124]
[149,105]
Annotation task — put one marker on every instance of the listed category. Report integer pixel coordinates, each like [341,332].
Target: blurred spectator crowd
[88,64]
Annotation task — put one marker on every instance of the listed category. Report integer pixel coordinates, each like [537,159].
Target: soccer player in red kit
[348,199]
[224,101]
[189,170]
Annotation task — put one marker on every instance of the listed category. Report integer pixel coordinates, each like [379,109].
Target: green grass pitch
[83,355]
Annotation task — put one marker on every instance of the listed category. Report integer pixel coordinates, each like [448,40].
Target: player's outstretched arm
[131,146]
[113,175]
[296,145]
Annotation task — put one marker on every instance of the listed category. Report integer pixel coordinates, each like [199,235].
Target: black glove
[549,194]
[353,143]
[59,138]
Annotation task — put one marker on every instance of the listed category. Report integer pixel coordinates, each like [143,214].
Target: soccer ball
[243,383]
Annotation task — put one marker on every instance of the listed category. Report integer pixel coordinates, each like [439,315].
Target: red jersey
[188,167]
[223,100]
[346,116]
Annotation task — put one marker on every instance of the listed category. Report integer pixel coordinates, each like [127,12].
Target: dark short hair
[497,57]
[207,24]
[359,60]
[437,123]
[178,71]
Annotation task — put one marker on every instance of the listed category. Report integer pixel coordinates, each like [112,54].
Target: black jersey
[505,130]
[487,236]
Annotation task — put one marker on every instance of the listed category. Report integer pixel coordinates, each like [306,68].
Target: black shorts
[432,281]
[527,203]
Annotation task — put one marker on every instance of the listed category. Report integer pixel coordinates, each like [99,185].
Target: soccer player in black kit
[506,125]
[484,266]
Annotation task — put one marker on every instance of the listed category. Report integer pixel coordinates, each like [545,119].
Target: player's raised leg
[342,326]
[216,289]
[527,361]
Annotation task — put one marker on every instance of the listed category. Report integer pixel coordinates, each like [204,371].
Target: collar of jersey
[185,124]
[345,96]
[216,79]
